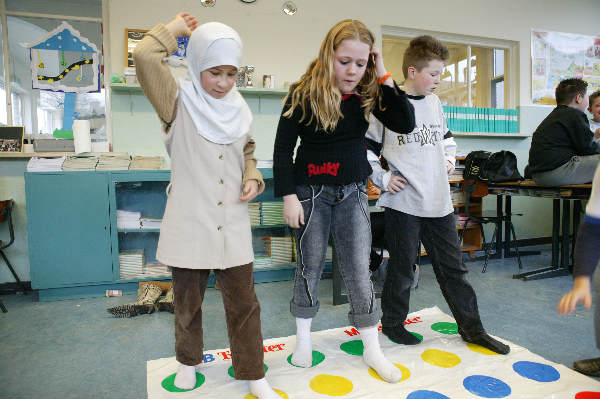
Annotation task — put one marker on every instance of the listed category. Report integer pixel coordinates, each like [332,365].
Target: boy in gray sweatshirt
[417,202]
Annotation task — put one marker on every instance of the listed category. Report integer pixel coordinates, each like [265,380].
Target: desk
[560,245]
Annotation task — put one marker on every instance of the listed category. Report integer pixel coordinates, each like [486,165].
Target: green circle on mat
[445,327]
[232,375]
[353,347]
[169,383]
[317,357]
[419,337]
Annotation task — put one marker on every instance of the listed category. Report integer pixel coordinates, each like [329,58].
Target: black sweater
[338,157]
[564,134]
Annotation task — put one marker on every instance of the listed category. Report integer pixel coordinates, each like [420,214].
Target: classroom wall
[283,46]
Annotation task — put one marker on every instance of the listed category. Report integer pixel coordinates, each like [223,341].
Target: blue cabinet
[74,239]
[69,229]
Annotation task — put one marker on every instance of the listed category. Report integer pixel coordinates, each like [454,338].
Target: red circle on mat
[588,395]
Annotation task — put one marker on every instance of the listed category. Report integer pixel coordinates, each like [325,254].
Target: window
[476,74]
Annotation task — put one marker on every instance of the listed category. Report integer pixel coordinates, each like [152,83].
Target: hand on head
[182,25]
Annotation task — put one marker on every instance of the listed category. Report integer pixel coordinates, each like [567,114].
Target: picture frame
[12,138]
[132,38]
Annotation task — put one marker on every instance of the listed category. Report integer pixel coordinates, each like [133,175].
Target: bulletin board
[556,56]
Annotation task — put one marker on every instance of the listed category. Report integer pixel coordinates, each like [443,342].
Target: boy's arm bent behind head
[154,74]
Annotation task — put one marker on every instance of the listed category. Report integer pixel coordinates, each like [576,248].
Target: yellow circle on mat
[440,358]
[481,349]
[331,385]
[280,393]
[404,370]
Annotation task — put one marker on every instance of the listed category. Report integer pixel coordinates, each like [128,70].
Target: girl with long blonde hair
[323,188]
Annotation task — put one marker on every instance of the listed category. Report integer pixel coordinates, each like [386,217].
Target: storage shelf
[269,226]
[488,134]
[35,154]
[244,90]
[142,230]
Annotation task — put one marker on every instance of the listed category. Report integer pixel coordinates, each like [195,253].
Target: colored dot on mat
[404,370]
[169,383]
[445,327]
[486,387]
[440,358]
[232,375]
[317,357]
[419,337]
[481,349]
[536,371]
[424,394]
[353,347]
[277,391]
[331,385]
[588,395]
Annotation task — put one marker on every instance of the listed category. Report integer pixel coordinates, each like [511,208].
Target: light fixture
[208,3]
[289,8]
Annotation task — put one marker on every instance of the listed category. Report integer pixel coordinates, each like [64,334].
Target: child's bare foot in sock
[400,335]
[373,356]
[262,390]
[186,377]
[483,339]
[302,356]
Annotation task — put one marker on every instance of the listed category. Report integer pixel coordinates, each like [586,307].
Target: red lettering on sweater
[327,168]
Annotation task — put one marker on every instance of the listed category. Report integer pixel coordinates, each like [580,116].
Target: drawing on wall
[556,56]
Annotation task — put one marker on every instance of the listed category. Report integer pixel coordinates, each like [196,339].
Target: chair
[6,216]
[473,189]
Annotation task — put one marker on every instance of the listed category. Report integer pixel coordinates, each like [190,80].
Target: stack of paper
[141,162]
[150,223]
[254,211]
[458,196]
[113,161]
[156,269]
[36,164]
[261,262]
[264,163]
[460,221]
[131,263]
[280,249]
[272,213]
[458,172]
[128,219]
[81,162]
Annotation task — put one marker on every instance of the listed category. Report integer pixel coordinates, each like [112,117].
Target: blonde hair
[317,88]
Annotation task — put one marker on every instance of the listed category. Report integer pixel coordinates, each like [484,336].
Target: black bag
[490,167]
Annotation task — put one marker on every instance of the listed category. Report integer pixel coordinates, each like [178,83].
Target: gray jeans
[578,170]
[343,212]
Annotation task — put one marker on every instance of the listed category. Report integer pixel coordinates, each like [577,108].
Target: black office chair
[6,216]
[496,217]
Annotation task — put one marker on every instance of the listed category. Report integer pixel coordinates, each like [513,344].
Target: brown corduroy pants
[242,312]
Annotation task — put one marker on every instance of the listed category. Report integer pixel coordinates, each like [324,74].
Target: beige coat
[205,225]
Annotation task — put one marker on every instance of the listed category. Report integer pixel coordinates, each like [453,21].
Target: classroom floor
[75,349]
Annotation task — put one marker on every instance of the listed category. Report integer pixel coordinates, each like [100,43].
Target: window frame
[511,47]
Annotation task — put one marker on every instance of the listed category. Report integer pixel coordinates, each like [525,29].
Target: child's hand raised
[249,191]
[182,25]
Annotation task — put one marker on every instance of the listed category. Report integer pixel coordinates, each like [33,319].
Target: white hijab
[225,120]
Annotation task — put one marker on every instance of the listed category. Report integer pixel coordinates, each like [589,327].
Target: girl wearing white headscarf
[206,126]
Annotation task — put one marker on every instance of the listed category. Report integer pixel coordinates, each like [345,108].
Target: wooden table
[560,243]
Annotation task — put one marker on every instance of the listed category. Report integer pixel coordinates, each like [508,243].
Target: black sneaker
[588,366]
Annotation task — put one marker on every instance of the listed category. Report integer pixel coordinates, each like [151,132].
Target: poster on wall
[556,56]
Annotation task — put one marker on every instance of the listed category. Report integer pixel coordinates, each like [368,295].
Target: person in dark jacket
[562,148]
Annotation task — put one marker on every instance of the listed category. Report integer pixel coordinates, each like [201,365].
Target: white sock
[186,377]
[262,390]
[374,357]
[302,356]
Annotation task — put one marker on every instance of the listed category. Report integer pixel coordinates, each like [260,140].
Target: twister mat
[443,366]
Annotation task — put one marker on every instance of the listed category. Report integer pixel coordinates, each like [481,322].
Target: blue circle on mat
[536,371]
[423,394]
[486,387]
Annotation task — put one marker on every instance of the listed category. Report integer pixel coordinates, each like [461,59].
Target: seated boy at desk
[562,148]
[594,109]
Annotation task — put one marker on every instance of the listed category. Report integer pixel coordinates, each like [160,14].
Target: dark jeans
[242,313]
[343,212]
[439,236]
